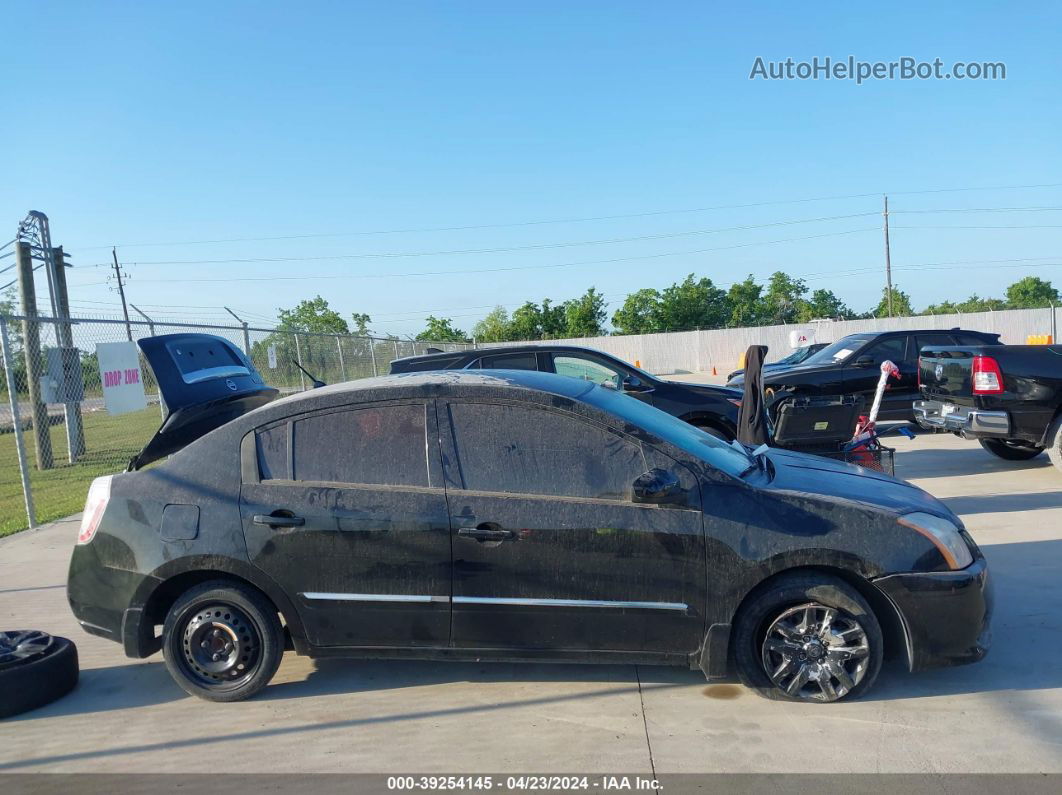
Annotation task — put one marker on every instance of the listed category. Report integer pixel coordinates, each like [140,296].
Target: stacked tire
[35,669]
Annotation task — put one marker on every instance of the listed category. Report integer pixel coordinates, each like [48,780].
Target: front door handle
[278,521]
[485,533]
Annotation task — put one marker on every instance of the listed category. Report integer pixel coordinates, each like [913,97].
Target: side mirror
[657,486]
[634,384]
[864,361]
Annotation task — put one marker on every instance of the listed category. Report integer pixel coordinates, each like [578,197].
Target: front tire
[1011,450]
[808,637]
[1054,442]
[222,641]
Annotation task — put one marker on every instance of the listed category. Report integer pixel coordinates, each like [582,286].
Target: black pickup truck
[1008,397]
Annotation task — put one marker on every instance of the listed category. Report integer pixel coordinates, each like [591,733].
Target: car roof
[436,382]
[475,353]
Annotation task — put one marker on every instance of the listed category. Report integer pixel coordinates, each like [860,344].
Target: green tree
[784,297]
[1030,293]
[440,329]
[745,302]
[586,315]
[361,324]
[639,314]
[901,304]
[314,316]
[823,305]
[554,320]
[972,304]
[692,304]
[494,327]
[526,322]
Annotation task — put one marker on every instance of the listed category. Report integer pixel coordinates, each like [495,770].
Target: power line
[620,216]
[504,249]
[504,269]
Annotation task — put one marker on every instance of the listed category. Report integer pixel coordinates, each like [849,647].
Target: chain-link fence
[56,433]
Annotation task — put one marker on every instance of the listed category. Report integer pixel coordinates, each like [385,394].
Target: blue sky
[165,124]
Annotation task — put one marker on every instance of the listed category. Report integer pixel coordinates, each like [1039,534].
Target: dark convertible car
[510,515]
[711,408]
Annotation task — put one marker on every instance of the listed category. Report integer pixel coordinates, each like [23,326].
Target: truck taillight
[96,503]
[987,377]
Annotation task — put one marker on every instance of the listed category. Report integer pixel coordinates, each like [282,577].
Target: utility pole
[121,293]
[31,344]
[888,260]
[72,384]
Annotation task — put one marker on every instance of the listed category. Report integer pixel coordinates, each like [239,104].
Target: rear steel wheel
[222,641]
[221,646]
[815,653]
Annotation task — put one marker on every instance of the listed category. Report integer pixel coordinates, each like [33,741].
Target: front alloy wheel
[807,636]
[815,653]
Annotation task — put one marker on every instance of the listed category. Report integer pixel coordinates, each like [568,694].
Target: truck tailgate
[946,373]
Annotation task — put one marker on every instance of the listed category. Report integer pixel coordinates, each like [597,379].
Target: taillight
[96,503]
[735,401]
[987,377]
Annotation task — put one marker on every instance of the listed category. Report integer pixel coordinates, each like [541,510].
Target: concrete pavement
[1001,715]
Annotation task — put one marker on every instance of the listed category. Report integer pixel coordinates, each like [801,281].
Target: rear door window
[526,450]
[508,361]
[376,445]
[893,349]
[941,340]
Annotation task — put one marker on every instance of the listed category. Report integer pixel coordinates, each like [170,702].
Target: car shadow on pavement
[948,462]
[128,686]
[333,676]
[1004,502]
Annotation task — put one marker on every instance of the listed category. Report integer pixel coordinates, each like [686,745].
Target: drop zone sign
[123,389]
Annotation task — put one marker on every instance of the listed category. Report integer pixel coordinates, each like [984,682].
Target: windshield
[839,351]
[797,356]
[721,455]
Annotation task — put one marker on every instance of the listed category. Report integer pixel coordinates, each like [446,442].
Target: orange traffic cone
[713,371]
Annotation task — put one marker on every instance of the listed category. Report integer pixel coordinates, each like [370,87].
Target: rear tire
[222,641]
[1054,442]
[1011,450]
[808,637]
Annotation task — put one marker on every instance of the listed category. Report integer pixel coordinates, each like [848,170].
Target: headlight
[944,535]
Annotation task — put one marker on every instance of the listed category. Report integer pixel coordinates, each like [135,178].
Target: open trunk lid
[205,382]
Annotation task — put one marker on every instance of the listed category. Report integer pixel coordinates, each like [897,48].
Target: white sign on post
[272,357]
[123,389]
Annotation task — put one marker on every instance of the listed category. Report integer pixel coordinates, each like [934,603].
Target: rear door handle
[278,521]
[485,533]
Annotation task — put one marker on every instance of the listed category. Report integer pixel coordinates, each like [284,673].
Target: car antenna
[316,383]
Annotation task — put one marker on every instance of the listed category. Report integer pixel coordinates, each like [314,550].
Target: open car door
[205,382]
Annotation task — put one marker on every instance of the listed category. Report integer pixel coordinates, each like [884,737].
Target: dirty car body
[512,515]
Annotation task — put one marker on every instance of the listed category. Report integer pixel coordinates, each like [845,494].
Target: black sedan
[711,408]
[509,515]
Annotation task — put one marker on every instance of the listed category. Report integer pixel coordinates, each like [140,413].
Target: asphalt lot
[1001,715]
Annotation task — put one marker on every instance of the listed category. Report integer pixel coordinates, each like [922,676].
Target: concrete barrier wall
[700,351]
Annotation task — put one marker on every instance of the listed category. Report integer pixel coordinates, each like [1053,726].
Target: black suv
[852,366]
[712,408]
